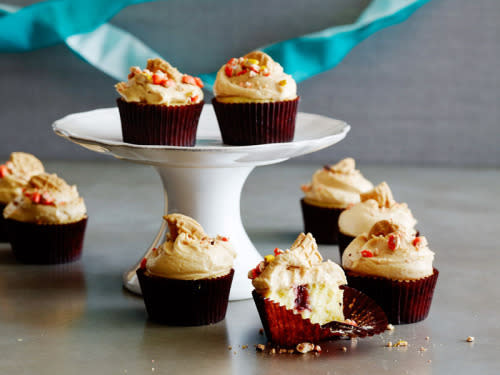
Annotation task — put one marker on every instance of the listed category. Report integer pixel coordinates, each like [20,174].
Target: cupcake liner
[256,123]
[344,241]
[403,301]
[46,243]
[185,302]
[286,328]
[322,222]
[3,225]
[149,124]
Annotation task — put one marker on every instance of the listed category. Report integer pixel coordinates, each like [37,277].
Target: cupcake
[255,101]
[159,105]
[301,298]
[332,189]
[14,175]
[376,204]
[394,267]
[46,224]
[186,280]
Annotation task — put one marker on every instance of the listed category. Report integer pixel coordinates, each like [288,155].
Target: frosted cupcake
[375,205]
[255,101]
[301,298]
[47,222]
[186,281]
[395,268]
[159,105]
[14,175]
[332,189]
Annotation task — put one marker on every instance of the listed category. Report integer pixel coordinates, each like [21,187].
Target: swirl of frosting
[376,204]
[336,186]
[389,251]
[160,83]
[302,264]
[15,174]
[47,199]
[253,77]
[189,254]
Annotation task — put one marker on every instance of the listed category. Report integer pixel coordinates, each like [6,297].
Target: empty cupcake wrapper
[286,328]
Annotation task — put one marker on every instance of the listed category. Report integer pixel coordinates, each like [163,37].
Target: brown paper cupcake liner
[3,225]
[244,124]
[322,222]
[148,124]
[185,302]
[344,241]
[46,243]
[403,301]
[285,328]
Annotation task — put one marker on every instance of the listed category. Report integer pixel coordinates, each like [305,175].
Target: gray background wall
[422,92]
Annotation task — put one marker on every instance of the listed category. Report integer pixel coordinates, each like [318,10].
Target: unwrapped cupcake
[332,189]
[393,267]
[159,105]
[186,281]
[301,298]
[376,204]
[255,101]
[47,222]
[14,175]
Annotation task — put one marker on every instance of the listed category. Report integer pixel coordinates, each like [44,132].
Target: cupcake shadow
[42,296]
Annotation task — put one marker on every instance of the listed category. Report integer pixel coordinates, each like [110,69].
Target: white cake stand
[204,181]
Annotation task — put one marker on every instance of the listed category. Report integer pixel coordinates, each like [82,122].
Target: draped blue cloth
[81,24]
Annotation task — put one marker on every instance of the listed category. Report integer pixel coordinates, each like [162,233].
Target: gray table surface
[76,319]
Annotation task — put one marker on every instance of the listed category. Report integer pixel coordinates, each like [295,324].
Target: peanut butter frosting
[160,83]
[336,186]
[389,251]
[375,205]
[301,264]
[15,174]
[254,77]
[47,199]
[189,254]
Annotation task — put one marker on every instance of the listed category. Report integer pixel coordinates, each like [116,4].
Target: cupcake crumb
[401,343]
[470,339]
[19,340]
[389,344]
[229,348]
[273,351]
[390,327]
[244,347]
[291,351]
[261,347]
[282,350]
[344,349]
[304,347]
[429,361]
[427,338]
[422,349]
[317,349]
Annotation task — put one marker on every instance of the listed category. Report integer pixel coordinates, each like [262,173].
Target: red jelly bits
[367,253]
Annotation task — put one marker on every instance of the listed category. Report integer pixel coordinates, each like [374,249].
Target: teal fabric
[49,22]
[81,25]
